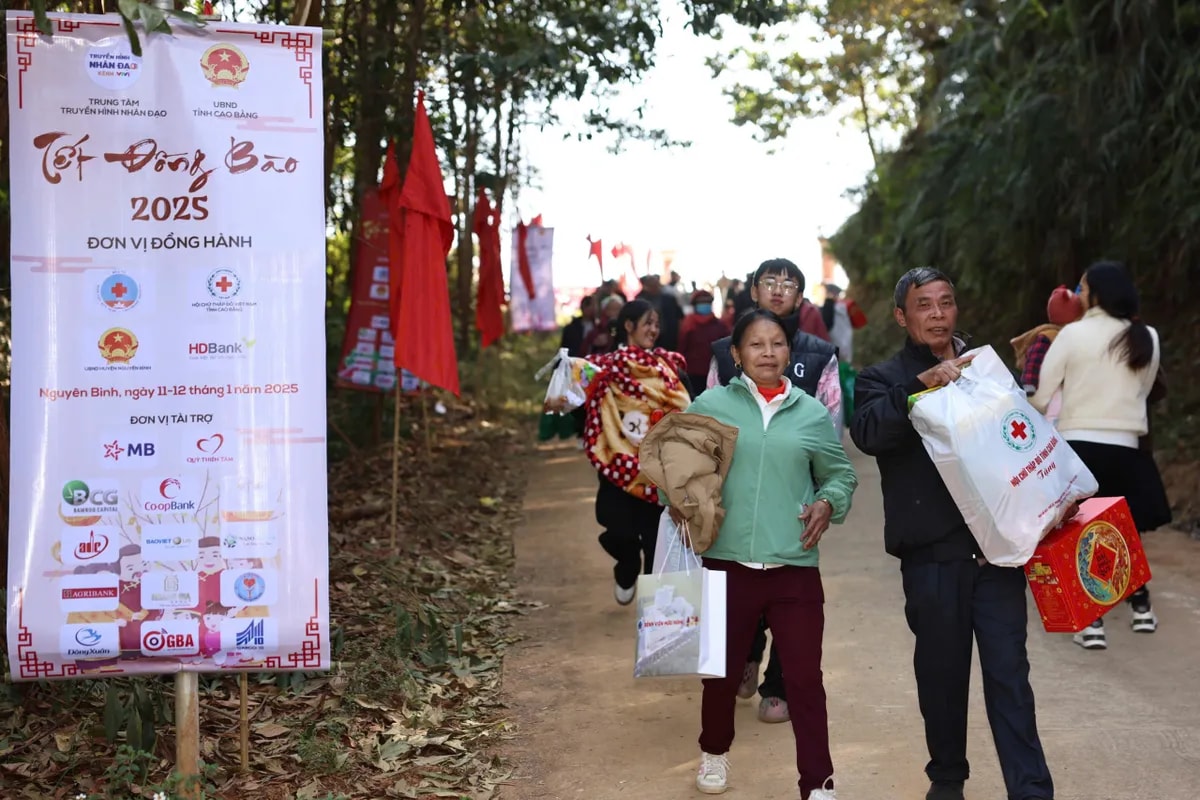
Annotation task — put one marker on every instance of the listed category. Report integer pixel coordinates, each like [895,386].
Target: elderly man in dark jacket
[952,595]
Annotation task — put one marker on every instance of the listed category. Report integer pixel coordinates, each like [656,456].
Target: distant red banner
[367,361]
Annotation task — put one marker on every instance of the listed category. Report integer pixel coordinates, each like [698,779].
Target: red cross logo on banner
[1018,430]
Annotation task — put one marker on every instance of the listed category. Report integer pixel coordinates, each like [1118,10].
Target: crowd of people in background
[772,355]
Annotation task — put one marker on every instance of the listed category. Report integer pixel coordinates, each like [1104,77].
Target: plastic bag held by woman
[1012,475]
[569,382]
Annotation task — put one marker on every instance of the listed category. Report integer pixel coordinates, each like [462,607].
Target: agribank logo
[111,66]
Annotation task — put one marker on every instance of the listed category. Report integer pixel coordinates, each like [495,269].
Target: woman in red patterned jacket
[638,384]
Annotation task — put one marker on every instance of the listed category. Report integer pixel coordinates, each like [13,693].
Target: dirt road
[1123,724]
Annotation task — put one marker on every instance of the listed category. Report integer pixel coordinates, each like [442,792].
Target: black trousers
[772,684]
[949,604]
[630,531]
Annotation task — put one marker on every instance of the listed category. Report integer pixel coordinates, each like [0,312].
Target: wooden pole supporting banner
[396,466]
[243,681]
[187,733]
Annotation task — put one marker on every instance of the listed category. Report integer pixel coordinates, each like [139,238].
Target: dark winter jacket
[922,522]
[810,356]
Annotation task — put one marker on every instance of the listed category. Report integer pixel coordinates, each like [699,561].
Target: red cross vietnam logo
[1018,431]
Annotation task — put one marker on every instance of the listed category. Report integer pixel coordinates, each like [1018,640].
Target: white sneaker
[1092,637]
[823,793]
[713,775]
[1144,621]
[624,596]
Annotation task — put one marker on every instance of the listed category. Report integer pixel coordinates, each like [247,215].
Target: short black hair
[918,277]
[779,266]
[752,316]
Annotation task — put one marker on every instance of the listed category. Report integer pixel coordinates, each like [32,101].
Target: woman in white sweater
[1106,364]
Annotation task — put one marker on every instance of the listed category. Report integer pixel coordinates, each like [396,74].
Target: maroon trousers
[793,601]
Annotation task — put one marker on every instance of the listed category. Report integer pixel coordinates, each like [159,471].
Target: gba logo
[118,345]
[132,450]
[171,638]
[112,66]
[79,499]
[224,65]
[119,292]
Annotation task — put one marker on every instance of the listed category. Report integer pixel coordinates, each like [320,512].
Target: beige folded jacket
[687,456]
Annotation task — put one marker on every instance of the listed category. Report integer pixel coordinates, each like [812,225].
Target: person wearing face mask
[1105,366]
[778,286]
[789,478]
[953,598]
[636,386]
[696,336]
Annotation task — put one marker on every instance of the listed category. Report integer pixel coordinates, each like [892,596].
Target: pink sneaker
[749,684]
[772,709]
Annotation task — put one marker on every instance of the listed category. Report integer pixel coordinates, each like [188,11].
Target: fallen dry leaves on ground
[410,709]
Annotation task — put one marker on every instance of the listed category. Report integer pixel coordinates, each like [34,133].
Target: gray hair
[918,277]
[612,300]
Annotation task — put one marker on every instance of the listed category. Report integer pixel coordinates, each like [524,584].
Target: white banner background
[539,313]
[168,488]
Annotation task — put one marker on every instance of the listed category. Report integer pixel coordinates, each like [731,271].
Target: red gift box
[1081,570]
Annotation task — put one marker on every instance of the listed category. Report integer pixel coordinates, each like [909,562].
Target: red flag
[523,259]
[596,248]
[536,222]
[489,316]
[420,296]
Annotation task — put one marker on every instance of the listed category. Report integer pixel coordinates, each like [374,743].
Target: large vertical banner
[537,313]
[368,350]
[168,489]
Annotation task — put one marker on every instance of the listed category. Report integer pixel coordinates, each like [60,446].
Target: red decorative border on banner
[309,656]
[32,666]
[298,42]
[27,39]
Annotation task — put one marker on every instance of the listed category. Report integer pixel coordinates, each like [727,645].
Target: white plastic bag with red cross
[1008,469]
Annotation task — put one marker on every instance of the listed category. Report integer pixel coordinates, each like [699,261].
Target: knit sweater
[1100,391]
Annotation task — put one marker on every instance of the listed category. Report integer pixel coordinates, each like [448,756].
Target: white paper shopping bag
[681,618]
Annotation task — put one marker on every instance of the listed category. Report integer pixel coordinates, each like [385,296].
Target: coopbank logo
[172,495]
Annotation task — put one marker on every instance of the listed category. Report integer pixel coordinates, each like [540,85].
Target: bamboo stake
[187,733]
[396,465]
[244,681]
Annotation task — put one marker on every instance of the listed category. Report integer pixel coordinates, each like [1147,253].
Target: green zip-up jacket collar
[770,480]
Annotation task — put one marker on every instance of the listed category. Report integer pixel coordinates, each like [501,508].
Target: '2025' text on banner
[168,483]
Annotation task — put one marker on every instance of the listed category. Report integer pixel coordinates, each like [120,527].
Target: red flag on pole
[523,260]
[420,296]
[596,248]
[489,316]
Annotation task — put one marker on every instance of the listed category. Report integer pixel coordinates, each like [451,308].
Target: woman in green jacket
[767,544]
